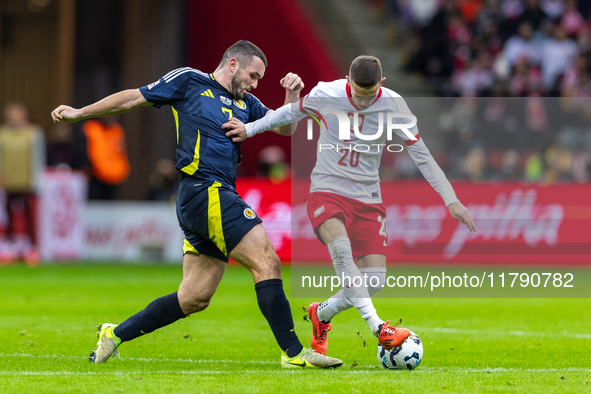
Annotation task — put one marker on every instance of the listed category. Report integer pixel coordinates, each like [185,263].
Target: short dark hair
[366,71]
[243,51]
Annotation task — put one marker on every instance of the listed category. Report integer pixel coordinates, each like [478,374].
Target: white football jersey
[350,166]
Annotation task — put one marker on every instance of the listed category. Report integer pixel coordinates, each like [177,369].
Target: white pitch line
[148,359]
[283,372]
[562,334]
[368,368]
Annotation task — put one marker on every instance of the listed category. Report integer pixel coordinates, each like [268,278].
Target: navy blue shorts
[213,217]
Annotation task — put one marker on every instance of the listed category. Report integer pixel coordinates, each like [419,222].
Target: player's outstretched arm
[283,116]
[117,103]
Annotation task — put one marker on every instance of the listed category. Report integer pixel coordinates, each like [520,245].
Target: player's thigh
[329,215]
[371,261]
[367,232]
[201,276]
[256,252]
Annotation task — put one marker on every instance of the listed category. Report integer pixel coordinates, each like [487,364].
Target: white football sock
[359,297]
[375,276]
[339,302]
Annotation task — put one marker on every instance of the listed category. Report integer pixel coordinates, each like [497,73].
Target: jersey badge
[226,100]
[249,213]
[150,86]
[240,104]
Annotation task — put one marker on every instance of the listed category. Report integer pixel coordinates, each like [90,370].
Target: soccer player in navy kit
[216,222]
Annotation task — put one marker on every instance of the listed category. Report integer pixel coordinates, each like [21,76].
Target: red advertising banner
[518,223]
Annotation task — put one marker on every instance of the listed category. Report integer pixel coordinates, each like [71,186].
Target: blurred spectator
[581,167]
[469,9]
[534,168]
[163,183]
[522,45]
[512,9]
[558,161]
[491,15]
[478,77]
[524,77]
[60,149]
[272,164]
[107,152]
[511,165]
[572,21]
[434,53]
[419,12]
[575,82]
[533,14]
[557,53]
[584,39]
[553,8]
[475,165]
[22,159]
[67,149]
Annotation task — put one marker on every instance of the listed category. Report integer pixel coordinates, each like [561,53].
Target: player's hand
[236,130]
[292,83]
[461,214]
[65,113]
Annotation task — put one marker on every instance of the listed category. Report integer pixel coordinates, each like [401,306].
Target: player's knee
[196,305]
[267,264]
[191,302]
[271,261]
[376,279]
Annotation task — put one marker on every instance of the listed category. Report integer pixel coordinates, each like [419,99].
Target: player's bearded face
[239,87]
[247,78]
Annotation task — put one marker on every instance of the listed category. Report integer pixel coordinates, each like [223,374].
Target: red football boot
[319,342]
[391,336]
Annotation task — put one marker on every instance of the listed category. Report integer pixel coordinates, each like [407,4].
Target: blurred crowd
[509,47]
[535,139]
[535,51]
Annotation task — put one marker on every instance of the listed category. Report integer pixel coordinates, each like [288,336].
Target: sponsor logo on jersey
[318,211]
[240,104]
[249,213]
[208,93]
[150,86]
[226,100]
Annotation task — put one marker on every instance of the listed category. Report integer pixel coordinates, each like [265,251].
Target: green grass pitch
[48,315]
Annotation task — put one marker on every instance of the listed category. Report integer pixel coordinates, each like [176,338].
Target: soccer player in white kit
[345,205]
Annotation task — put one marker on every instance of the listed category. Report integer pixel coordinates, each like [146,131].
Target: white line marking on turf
[283,372]
[368,368]
[148,359]
[446,330]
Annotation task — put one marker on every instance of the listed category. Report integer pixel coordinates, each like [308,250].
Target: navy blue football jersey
[200,106]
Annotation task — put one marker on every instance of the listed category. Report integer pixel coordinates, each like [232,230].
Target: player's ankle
[374,323]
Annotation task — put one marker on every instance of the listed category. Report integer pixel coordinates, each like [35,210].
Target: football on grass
[407,356]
